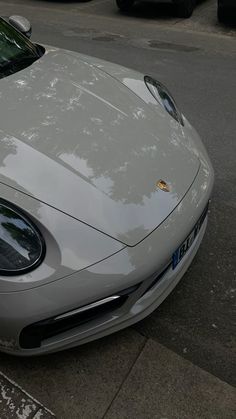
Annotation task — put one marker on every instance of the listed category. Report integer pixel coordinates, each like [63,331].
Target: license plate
[185,246]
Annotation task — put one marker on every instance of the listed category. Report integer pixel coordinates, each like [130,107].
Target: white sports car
[104,191]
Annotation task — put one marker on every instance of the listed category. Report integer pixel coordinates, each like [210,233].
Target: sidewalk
[123,376]
[16,403]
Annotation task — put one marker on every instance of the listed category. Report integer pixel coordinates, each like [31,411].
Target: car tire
[125,5]
[185,8]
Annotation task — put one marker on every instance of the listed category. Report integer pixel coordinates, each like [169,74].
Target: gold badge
[161,184]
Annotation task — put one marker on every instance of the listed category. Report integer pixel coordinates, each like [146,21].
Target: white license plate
[185,246]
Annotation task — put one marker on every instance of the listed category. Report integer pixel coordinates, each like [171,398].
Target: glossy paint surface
[132,265]
[71,246]
[78,139]
[82,145]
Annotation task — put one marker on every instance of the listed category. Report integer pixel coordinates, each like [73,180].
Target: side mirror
[21,24]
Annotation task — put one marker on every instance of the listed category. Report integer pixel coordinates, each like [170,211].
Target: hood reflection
[93,149]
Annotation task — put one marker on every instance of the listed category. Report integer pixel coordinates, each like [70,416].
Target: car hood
[77,139]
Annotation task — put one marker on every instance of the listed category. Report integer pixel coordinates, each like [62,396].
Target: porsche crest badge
[161,184]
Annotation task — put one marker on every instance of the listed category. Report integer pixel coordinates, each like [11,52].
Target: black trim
[32,336]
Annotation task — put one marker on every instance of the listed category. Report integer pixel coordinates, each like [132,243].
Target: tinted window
[16,51]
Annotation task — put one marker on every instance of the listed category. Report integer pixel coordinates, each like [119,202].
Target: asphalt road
[196,59]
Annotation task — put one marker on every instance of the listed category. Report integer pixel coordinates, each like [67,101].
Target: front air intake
[32,336]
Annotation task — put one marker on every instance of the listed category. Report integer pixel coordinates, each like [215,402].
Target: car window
[16,51]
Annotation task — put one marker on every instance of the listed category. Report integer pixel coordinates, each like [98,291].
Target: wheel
[185,8]
[222,14]
[125,5]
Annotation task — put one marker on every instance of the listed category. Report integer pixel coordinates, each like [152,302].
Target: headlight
[22,247]
[161,94]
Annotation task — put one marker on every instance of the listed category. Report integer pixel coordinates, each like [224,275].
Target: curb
[17,403]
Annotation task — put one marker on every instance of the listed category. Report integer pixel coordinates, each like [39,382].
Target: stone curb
[16,403]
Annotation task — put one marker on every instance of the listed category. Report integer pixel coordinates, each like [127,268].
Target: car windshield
[16,51]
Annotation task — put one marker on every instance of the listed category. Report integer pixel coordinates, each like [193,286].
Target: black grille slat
[33,335]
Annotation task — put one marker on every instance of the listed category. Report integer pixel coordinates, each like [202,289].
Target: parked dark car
[184,7]
[224,9]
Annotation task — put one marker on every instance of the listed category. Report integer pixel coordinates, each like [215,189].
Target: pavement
[16,403]
[180,361]
[123,376]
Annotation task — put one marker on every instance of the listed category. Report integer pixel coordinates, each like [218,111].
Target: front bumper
[140,264]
